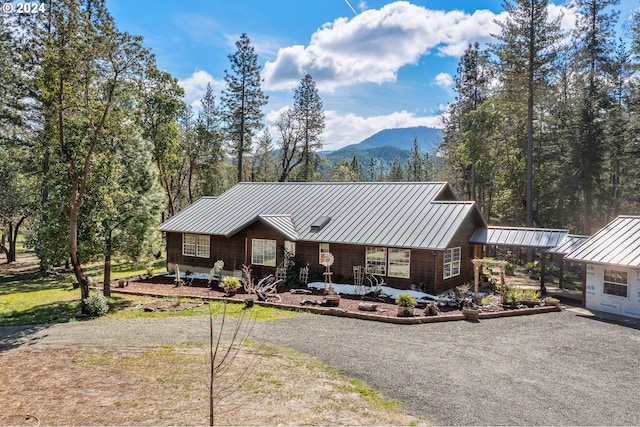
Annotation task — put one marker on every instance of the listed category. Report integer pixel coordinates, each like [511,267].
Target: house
[411,234]
[612,261]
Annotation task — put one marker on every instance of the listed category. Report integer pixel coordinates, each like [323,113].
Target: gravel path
[561,368]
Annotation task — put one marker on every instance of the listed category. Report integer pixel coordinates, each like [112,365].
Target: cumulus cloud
[444,80]
[195,87]
[372,46]
[346,129]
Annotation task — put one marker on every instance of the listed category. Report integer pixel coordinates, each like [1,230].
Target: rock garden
[381,304]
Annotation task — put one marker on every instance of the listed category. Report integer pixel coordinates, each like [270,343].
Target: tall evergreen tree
[593,39]
[243,100]
[463,147]
[208,152]
[526,54]
[264,167]
[309,113]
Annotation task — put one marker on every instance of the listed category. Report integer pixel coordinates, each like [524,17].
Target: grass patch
[31,297]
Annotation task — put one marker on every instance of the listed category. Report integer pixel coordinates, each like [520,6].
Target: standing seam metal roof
[376,214]
[617,243]
[520,236]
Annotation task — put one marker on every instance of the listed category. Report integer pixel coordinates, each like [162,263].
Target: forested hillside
[545,130]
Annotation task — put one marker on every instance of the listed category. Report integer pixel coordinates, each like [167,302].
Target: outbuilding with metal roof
[612,260]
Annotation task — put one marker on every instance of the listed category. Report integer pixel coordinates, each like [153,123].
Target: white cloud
[346,129]
[372,46]
[195,87]
[444,80]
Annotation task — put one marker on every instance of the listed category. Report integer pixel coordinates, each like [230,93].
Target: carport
[542,239]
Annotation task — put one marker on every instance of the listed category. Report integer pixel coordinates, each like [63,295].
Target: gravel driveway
[560,368]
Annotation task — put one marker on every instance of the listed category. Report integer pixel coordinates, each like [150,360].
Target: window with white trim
[189,244]
[324,249]
[399,262]
[202,245]
[615,282]
[451,262]
[376,260]
[263,252]
[195,245]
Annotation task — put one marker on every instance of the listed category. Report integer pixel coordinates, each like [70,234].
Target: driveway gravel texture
[562,368]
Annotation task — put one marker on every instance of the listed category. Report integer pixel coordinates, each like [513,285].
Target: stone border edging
[333,311]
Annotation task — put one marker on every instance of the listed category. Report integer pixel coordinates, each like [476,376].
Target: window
[451,262]
[189,244]
[324,248]
[195,245]
[399,261]
[615,282]
[202,245]
[376,260]
[263,252]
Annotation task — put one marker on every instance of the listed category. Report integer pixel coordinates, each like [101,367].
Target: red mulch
[165,286]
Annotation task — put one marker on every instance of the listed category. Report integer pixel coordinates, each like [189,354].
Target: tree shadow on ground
[55,312]
[12,337]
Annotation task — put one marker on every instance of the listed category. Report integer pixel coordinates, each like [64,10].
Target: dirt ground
[169,385]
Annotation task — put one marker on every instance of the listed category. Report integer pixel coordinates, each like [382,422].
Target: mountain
[428,138]
[387,145]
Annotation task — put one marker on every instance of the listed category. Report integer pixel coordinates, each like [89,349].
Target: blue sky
[389,64]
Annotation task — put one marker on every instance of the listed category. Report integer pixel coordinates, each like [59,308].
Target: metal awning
[519,236]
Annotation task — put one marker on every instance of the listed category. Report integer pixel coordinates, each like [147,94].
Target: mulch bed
[387,309]
[165,286]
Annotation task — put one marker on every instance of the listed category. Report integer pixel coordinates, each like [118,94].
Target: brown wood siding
[175,256]
[426,267]
[460,239]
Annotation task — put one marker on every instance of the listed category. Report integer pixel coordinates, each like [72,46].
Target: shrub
[97,304]
[149,270]
[231,283]
[405,300]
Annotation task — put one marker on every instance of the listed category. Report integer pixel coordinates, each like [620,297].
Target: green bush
[97,304]
[406,300]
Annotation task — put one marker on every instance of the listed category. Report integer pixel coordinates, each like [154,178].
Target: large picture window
[263,252]
[615,282]
[376,260]
[451,262]
[399,262]
[195,245]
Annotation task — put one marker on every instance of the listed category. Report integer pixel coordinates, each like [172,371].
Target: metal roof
[617,243]
[409,214]
[571,242]
[519,236]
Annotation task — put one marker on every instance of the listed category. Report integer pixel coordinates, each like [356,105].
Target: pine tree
[526,55]
[307,107]
[243,100]
[593,38]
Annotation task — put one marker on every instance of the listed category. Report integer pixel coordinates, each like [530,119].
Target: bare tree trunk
[106,287]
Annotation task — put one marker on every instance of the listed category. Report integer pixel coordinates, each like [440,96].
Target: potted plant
[230,285]
[470,311]
[405,302]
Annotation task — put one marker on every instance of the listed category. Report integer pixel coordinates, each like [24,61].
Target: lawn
[29,296]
